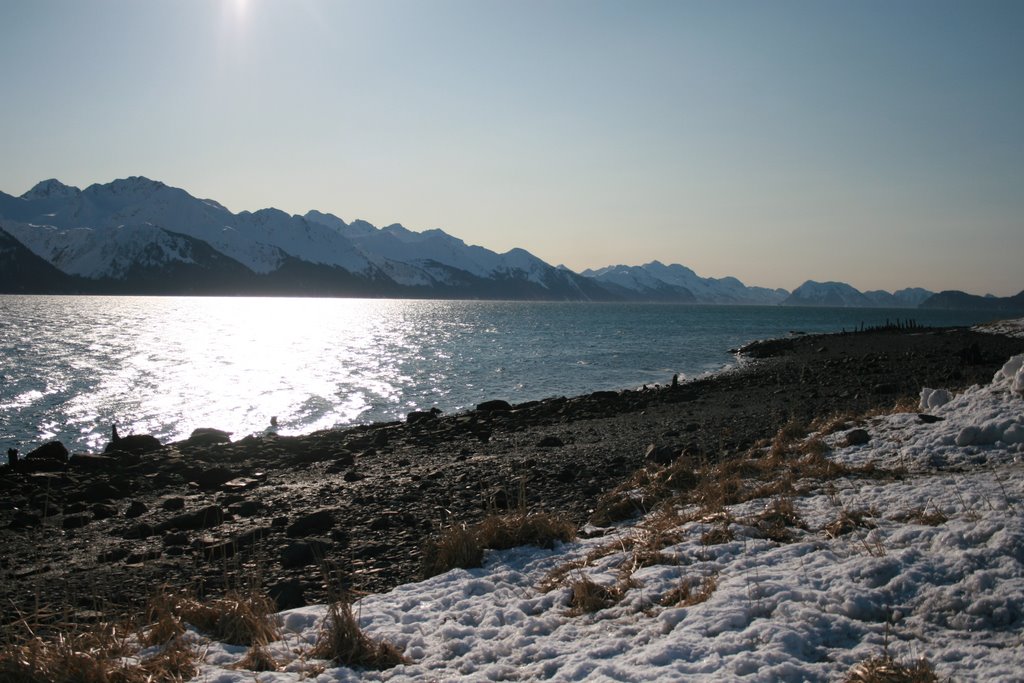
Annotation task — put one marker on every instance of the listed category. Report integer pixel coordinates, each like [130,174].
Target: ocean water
[72,366]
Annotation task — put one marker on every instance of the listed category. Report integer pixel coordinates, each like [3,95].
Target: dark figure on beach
[12,456]
[675,381]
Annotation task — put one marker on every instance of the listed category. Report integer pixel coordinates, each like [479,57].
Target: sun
[239,8]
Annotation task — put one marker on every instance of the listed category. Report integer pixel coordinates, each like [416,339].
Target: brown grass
[343,642]
[884,669]
[257,659]
[848,522]
[589,597]
[777,518]
[93,655]
[690,592]
[920,515]
[463,546]
[238,618]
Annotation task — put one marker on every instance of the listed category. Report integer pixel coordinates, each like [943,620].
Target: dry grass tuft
[257,659]
[458,547]
[848,522]
[463,546]
[778,517]
[343,642]
[238,618]
[884,669]
[920,515]
[94,655]
[690,592]
[589,597]
[175,662]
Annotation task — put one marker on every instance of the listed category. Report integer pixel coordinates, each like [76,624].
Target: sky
[872,142]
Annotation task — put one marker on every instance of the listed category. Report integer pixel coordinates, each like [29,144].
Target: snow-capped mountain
[842,295]
[674,282]
[140,236]
[911,297]
[136,228]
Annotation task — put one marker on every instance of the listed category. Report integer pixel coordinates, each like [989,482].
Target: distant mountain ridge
[139,236]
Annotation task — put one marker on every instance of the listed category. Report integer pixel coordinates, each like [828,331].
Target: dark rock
[112,555]
[53,450]
[99,491]
[302,553]
[318,522]
[246,508]
[203,518]
[567,474]
[421,415]
[143,556]
[495,406]
[103,511]
[173,504]
[244,541]
[929,419]
[24,520]
[138,531]
[136,444]
[886,388]
[312,455]
[287,594]
[353,476]
[550,442]
[207,436]
[136,508]
[857,437]
[661,454]
[209,478]
[176,538]
[82,461]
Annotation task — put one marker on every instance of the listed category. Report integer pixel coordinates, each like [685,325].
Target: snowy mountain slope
[97,232]
[903,298]
[840,294]
[835,294]
[661,281]
[435,258]
[22,271]
[258,240]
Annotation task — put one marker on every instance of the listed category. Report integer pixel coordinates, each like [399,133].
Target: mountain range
[140,236]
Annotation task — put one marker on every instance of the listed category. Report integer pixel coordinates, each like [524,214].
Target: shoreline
[353,507]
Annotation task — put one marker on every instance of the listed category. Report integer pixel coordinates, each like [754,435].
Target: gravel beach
[351,509]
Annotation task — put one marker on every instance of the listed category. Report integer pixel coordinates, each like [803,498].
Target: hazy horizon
[870,143]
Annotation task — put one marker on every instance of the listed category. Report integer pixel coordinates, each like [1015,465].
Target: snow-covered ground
[933,568]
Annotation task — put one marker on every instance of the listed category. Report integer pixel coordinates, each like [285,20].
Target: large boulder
[48,457]
[207,436]
[495,406]
[135,444]
[314,523]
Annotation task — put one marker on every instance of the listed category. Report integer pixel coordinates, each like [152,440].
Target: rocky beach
[307,517]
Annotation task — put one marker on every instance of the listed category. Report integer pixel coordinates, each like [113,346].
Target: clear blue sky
[876,142]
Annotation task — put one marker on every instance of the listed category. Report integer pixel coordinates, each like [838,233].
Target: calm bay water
[72,366]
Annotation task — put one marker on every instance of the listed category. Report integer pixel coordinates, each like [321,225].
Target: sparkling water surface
[72,366]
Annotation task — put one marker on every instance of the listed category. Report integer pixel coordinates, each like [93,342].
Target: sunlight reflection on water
[72,366]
